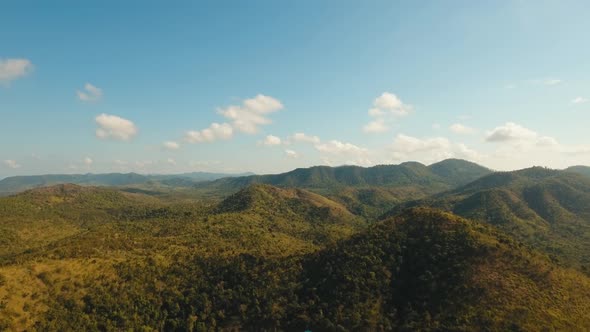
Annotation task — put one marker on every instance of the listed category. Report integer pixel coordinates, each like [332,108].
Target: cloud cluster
[114,127]
[510,131]
[579,100]
[385,108]
[246,118]
[12,69]
[461,129]
[11,164]
[431,149]
[252,113]
[271,140]
[171,145]
[216,131]
[90,93]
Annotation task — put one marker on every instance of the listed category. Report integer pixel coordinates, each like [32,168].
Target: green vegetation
[273,258]
[546,209]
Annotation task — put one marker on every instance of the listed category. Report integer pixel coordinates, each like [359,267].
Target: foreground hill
[548,209]
[421,270]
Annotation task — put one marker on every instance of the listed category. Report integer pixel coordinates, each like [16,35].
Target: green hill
[548,209]
[421,270]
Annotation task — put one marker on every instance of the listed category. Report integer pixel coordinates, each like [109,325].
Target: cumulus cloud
[461,129]
[114,127]
[377,126]
[11,164]
[408,144]
[88,161]
[90,93]
[304,138]
[338,147]
[291,154]
[12,69]
[430,149]
[386,107]
[171,145]
[252,113]
[510,131]
[216,131]
[271,140]
[579,100]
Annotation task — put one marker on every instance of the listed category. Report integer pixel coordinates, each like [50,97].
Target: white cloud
[271,140]
[386,107]
[377,126]
[114,127]
[171,161]
[552,81]
[579,100]
[215,132]
[302,137]
[408,144]
[171,145]
[510,132]
[12,69]
[337,147]
[11,164]
[91,93]
[252,113]
[436,126]
[460,129]
[291,154]
[431,149]
[88,161]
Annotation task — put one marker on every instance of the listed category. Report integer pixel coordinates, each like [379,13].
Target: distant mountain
[548,209]
[20,183]
[446,173]
[365,191]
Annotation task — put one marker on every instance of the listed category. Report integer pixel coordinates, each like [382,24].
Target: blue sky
[268,86]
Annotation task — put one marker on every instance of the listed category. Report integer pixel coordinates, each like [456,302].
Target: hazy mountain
[20,183]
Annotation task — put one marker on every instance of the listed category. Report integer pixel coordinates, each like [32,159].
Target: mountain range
[451,246]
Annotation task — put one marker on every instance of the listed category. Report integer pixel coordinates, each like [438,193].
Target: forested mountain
[548,209]
[445,174]
[365,191]
[511,253]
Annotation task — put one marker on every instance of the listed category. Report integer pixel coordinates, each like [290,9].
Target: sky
[269,86]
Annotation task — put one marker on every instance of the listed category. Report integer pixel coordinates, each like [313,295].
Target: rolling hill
[547,209]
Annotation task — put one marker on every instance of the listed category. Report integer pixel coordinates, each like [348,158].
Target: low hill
[548,209]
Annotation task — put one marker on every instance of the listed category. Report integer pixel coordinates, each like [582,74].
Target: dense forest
[451,246]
